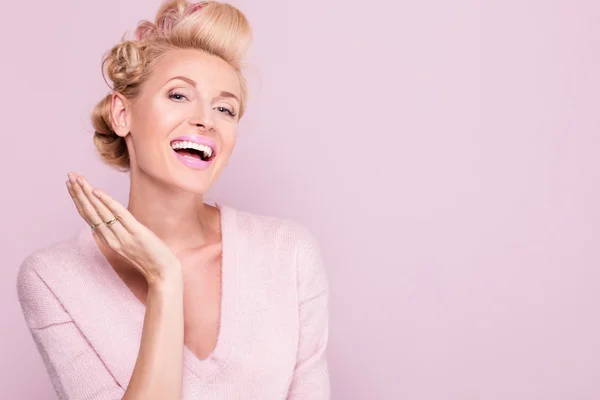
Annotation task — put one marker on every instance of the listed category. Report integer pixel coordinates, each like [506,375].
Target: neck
[181,219]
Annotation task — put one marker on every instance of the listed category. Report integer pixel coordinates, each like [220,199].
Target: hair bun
[124,64]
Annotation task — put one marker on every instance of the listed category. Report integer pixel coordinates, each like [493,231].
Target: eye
[226,110]
[177,96]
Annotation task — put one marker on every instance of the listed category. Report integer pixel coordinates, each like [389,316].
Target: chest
[202,308]
[202,292]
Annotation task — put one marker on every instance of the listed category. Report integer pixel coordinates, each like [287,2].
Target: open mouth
[193,150]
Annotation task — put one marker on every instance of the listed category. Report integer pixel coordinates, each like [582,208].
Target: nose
[202,120]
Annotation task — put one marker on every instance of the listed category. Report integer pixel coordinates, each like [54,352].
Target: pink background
[444,152]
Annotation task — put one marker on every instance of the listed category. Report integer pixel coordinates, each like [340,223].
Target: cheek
[157,118]
[228,140]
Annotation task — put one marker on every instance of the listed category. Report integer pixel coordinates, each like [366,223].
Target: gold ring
[93,226]
[112,221]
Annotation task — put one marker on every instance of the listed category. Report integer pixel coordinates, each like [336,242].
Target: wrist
[166,277]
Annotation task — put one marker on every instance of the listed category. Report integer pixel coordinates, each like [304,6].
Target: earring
[123,124]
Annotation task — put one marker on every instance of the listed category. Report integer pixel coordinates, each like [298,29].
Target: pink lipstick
[196,152]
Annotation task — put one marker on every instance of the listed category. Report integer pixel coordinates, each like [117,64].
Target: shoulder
[284,239]
[35,295]
[273,231]
[47,258]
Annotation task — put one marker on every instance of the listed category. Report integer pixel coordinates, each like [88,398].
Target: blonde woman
[171,297]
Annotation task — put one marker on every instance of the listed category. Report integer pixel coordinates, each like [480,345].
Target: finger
[90,214]
[122,214]
[72,194]
[106,215]
[78,204]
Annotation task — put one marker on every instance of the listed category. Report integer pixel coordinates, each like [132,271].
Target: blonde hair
[216,28]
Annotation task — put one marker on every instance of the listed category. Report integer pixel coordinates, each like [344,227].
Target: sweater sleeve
[75,369]
[311,376]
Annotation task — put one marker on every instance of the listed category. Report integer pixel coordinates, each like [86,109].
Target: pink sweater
[87,324]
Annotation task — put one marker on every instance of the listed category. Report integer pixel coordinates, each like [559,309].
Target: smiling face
[181,129]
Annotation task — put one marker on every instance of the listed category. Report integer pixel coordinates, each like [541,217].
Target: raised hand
[117,228]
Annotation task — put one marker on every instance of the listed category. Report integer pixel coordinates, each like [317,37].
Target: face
[181,129]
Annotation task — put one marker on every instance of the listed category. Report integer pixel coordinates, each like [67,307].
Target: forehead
[210,73]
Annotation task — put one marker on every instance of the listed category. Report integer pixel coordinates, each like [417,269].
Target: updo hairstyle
[216,28]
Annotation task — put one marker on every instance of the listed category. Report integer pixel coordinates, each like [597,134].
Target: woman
[171,297]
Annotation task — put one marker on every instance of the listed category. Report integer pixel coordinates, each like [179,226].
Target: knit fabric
[87,324]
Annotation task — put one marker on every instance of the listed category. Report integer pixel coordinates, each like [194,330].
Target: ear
[119,113]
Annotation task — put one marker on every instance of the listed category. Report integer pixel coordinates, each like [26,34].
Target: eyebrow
[193,83]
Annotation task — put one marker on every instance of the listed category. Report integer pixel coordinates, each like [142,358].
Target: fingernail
[80,180]
[71,177]
[68,184]
[96,193]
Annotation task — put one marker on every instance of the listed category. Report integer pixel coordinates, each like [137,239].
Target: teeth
[207,150]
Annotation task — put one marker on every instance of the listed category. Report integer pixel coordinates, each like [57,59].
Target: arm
[159,367]
[158,370]
[311,376]
[75,370]
[74,367]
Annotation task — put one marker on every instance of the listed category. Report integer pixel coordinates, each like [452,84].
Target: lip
[195,163]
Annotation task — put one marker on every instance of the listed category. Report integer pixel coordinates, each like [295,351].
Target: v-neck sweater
[273,333]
